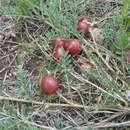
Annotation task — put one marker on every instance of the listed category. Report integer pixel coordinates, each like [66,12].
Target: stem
[113,125]
[44,103]
[97,51]
[89,82]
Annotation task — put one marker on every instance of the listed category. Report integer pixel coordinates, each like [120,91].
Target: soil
[11,55]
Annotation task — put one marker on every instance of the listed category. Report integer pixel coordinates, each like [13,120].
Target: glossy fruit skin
[72,46]
[58,53]
[49,84]
[58,42]
[83,24]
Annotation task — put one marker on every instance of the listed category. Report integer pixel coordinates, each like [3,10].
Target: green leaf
[98,75]
[25,6]
[122,42]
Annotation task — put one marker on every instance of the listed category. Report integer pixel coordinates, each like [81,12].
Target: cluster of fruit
[61,46]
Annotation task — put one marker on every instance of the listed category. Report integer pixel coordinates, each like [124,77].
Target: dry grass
[93,84]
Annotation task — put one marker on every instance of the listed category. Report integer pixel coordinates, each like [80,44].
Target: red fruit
[58,42]
[58,53]
[66,44]
[49,84]
[83,24]
[72,46]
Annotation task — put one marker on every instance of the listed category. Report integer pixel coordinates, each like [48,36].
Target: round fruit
[83,24]
[58,42]
[58,53]
[72,46]
[49,84]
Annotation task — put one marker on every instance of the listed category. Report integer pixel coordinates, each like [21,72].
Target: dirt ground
[28,56]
